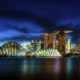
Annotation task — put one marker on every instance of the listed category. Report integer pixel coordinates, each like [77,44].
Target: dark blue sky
[27,19]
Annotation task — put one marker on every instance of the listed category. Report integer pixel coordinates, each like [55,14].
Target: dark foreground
[40,68]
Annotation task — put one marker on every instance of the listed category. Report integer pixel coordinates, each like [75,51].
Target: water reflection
[69,65]
[30,67]
[41,68]
[56,66]
[79,69]
[24,68]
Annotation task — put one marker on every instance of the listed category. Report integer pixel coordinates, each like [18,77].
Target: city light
[55,44]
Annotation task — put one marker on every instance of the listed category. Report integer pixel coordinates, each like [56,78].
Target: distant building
[68,46]
[77,48]
[51,40]
[48,40]
[44,41]
[56,44]
[56,40]
[61,42]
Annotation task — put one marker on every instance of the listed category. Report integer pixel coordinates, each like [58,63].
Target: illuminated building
[10,48]
[44,41]
[47,53]
[57,40]
[51,40]
[68,46]
[77,48]
[61,41]
[56,45]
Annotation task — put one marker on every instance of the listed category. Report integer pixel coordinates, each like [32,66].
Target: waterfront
[40,68]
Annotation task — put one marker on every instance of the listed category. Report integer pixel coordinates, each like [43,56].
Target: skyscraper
[51,40]
[68,46]
[44,41]
[61,42]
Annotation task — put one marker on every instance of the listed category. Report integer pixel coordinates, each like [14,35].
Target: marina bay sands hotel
[56,40]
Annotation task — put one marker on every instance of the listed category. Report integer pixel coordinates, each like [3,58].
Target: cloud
[19,30]
[25,20]
[9,34]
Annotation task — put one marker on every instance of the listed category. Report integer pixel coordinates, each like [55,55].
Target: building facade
[51,40]
[61,42]
[44,40]
[68,46]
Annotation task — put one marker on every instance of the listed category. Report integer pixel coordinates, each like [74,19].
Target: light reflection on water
[69,65]
[55,67]
[30,67]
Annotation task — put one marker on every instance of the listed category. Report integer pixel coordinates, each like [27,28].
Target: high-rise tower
[61,42]
[51,40]
[68,46]
[44,41]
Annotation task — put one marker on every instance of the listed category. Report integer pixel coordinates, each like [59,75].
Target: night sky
[27,19]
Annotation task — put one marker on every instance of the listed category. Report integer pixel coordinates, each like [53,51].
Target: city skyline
[50,44]
[40,39]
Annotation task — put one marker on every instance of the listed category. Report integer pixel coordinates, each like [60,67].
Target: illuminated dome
[10,48]
[47,52]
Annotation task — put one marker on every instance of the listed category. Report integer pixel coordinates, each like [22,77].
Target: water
[40,68]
